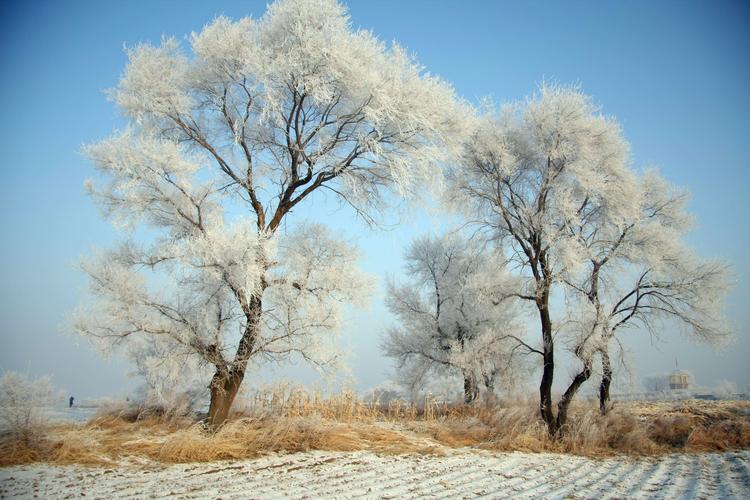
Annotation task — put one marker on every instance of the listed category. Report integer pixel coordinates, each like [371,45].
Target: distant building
[679,380]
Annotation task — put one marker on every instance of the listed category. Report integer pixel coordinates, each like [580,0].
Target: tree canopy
[222,144]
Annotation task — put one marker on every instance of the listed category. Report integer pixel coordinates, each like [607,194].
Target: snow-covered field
[461,474]
[77,414]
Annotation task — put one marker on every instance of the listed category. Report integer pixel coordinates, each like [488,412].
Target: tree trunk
[471,389]
[548,356]
[606,381]
[489,384]
[224,388]
[226,382]
[567,398]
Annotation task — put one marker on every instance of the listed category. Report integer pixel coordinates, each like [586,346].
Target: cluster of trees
[598,249]
[454,316]
[225,144]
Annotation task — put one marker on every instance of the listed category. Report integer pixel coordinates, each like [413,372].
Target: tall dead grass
[518,428]
[241,438]
[287,420]
[23,421]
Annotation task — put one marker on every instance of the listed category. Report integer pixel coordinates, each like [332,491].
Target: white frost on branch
[24,406]
[225,141]
[194,305]
[454,314]
[644,272]
[530,170]
[540,176]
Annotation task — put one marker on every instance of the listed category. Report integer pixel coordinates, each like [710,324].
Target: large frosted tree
[639,273]
[223,143]
[455,316]
[528,175]
[551,179]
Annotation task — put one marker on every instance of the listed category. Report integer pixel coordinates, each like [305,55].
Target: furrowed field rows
[461,474]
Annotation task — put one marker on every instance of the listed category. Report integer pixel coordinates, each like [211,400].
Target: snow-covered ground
[461,474]
[78,414]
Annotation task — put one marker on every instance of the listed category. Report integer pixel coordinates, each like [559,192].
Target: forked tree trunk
[606,382]
[564,404]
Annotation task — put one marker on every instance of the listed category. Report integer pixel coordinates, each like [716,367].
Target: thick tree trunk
[471,389]
[564,404]
[548,356]
[227,380]
[224,389]
[606,381]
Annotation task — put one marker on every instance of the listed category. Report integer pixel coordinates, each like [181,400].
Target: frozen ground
[462,474]
[63,413]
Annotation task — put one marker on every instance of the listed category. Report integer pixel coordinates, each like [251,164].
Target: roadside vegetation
[288,420]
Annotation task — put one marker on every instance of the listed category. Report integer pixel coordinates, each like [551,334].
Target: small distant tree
[171,391]
[221,147]
[726,389]
[23,407]
[384,393]
[658,382]
[453,316]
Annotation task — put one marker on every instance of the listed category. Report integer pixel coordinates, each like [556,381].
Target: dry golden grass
[14,451]
[636,429]
[290,420]
[24,444]
[240,438]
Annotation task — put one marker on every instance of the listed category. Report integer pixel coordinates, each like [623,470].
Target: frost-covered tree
[527,176]
[176,390]
[551,178]
[223,143]
[453,319]
[726,389]
[640,272]
[23,407]
[657,382]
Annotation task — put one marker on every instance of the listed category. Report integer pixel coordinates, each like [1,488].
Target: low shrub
[24,423]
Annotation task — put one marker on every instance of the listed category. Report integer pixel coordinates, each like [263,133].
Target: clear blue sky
[676,75]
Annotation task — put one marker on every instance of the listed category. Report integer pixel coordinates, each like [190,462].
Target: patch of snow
[460,474]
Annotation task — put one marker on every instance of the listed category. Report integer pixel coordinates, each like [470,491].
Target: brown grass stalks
[291,421]
[14,451]
[687,427]
[24,445]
